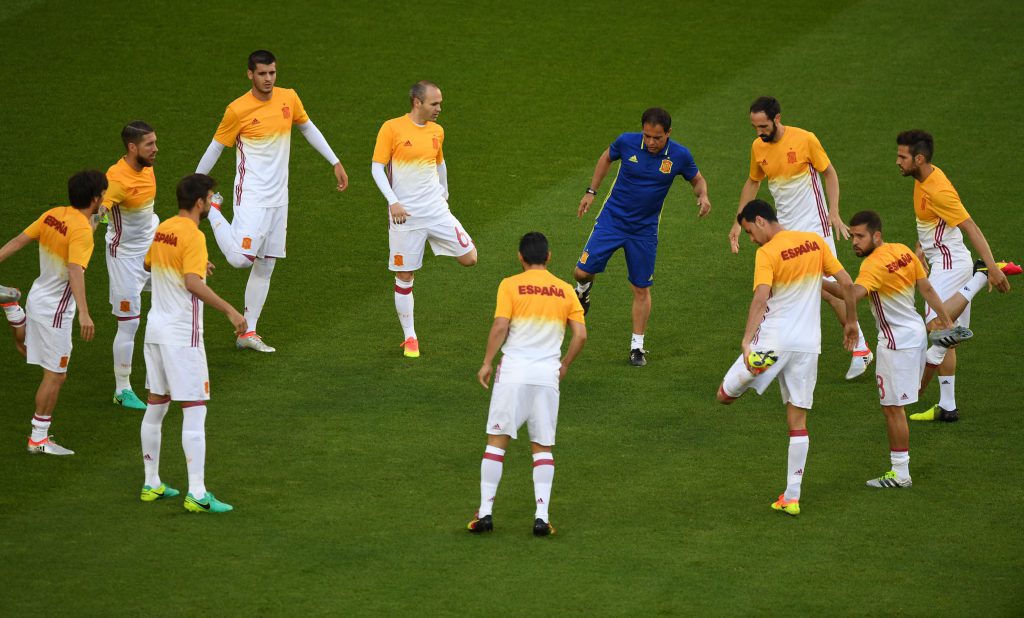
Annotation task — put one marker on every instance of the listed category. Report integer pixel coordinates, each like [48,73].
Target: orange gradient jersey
[791,166]
[129,198]
[538,305]
[890,277]
[792,264]
[65,237]
[261,132]
[176,316]
[411,154]
[939,211]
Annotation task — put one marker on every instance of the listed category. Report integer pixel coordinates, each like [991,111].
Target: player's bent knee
[582,276]
[240,260]
[155,400]
[724,398]
[469,259]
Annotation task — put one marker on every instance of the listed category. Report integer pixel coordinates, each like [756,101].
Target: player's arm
[76,279]
[832,195]
[995,276]
[755,315]
[319,143]
[579,338]
[931,297]
[604,163]
[850,330]
[14,245]
[198,288]
[210,157]
[919,252]
[700,190]
[396,211]
[442,178]
[748,193]
[499,331]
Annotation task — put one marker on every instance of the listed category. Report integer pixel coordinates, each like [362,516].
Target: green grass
[353,471]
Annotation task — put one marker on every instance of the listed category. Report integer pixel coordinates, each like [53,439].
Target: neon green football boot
[208,504]
[128,399]
[789,507]
[152,494]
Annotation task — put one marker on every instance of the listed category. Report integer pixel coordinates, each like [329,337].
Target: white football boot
[252,341]
[48,447]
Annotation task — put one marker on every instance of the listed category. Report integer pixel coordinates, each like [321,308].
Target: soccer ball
[761,361]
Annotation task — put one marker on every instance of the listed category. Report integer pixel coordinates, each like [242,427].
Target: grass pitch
[353,470]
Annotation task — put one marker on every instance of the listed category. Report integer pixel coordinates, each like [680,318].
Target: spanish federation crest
[666,166]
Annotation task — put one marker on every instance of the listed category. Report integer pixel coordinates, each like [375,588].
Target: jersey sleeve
[80,246]
[149,257]
[504,305]
[946,203]
[919,272]
[615,150]
[115,193]
[575,308]
[36,229]
[830,263]
[194,257]
[382,149]
[868,277]
[229,128]
[440,149]
[688,168]
[816,153]
[299,115]
[756,173]
[764,273]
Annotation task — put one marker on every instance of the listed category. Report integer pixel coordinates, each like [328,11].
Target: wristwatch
[591,191]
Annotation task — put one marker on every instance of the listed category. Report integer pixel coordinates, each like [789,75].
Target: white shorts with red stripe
[898,375]
[407,246]
[260,232]
[797,373]
[128,280]
[946,284]
[178,371]
[513,404]
[47,346]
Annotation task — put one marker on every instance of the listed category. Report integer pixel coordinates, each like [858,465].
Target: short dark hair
[769,105]
[192,188]
[869,218]
[260,56]
[656,115]
[533,246]
[755,209]
[419,90]
[85,186]
[920,143]
[134,131]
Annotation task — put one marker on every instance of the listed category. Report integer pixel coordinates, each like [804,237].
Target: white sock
[152,423]
[490,477]
[193,442]
[404,306]
[256,290]
[977,283]
[15,314]
[124,348]
[862,346]
[40,427]
[583,286]
[947,392]
[935,355]
[637,342]
[798,444]
[543,475]
[900,464]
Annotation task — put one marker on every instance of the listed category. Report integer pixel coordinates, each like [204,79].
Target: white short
[407,246]
[514,404]
[947,283]
[260,232]
[898,375]
[178,371]
[128,280]
[797,373]
[46,346]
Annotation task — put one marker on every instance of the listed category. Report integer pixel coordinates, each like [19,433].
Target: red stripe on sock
[121,319]
[42,419]
[543,462]
[797,432]
[193,404]
[403,291]
[493,457]
[900,450]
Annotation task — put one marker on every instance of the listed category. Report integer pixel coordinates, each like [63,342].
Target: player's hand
[399,214]
[339,173]
[86,325]
[562,370]
[839,226]
[238,322]
[484,375]
[998,280]
[585,203]
[850,335]
[704,205]
[745,354]
[734,238]
[210,268]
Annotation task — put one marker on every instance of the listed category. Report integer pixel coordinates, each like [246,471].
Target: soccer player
[792,159]
[65,241]
[942,222]
[888,275]
[258,124]
[175,354]
[632,211]
[131,224]
[409,169]
[533,310]
[785,319]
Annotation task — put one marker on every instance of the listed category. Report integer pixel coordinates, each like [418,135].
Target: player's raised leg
[15,315]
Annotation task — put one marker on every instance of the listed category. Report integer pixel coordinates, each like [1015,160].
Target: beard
[864,252]
[771,136]
[144,162]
